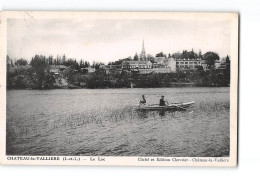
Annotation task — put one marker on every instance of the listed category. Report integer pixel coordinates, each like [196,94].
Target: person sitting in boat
[162,101]
[143,101]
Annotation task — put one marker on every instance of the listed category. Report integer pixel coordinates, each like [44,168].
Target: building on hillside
[188,64]
[204,64]
[57,69]
[87,70]
[217,64]
[224,65]
[146,67]
[111,69]
[172,64]
[160,60]
[165,65]
[103,66]
[159,65]
[54,69]
[62,67]
[131,65]
[155,70]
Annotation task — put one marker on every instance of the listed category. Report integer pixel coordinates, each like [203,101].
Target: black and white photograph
[157,86]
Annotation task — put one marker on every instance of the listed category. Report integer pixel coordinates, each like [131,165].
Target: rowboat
[171,106]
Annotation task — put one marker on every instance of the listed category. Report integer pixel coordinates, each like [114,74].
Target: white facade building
[185,64]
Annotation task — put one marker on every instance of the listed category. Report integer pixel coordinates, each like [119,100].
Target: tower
[172,64]
[142,55]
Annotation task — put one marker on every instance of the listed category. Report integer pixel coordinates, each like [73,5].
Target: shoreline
[125,88]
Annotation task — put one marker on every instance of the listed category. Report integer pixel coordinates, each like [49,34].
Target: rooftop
[136,62]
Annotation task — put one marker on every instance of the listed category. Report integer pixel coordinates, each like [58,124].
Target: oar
[181,107]
[176,106]
[185,109]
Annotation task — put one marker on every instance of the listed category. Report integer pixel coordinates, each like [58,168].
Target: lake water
[104,122]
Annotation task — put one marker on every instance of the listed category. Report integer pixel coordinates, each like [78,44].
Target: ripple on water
[103,122]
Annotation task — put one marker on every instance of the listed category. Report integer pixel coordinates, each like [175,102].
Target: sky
[109,40]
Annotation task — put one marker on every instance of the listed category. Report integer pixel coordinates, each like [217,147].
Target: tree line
[50,60]
[38,75]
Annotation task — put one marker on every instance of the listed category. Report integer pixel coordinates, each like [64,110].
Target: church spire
[143,56]
[143,50]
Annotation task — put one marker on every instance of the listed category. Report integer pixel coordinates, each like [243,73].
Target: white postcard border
[230,161]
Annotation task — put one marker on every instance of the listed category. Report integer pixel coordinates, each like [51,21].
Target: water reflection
[146,113]
[162,112]
[142,113]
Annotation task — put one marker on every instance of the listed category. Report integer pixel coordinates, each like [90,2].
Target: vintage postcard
[118,88]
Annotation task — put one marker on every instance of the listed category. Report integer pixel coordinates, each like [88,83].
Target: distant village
[162,63]
[143,70]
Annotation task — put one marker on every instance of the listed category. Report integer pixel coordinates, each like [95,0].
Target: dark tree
[176,55]
[211,58]
[96,65]
[50,60]
[81,64]
[227,60]
[21,62]
[150,58]
[63,59]
[188,54]
[39,73]
[9,61]
[200,55]
[160,54]
[70,75]
[86,64]
[136,57]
